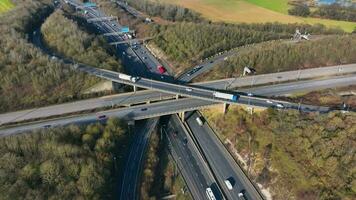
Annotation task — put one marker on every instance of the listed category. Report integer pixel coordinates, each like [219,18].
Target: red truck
[161,69]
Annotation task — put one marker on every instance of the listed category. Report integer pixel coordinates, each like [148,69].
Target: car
[113,24]
[143,109]
[161,69]
[241,194]
[101,117]
[123,53]
[144,57]
[47,126]
[269,101]
[189,74]
[197,67]
[279,105]
[54,57]
[228,184]
[249,94]
[189,89]
[175,133]
[185,140]
[211,61]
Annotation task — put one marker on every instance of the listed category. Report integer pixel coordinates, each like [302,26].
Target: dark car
[47,126]
[185,140]
[143,109]
[175,133]
[101,117]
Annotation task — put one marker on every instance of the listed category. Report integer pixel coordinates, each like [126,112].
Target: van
[200,121]
[228,184]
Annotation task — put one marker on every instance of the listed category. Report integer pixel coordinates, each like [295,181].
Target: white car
[189,89]
[228,184]
[249,94]
[279,105]
[242,194]
[269,101]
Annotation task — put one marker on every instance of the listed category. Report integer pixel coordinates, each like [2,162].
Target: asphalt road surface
[149,95]
[188,159]
[131,178]
[220,161]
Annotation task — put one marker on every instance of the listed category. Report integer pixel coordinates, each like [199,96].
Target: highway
[197,190]
[145,96]
[188,159]
[133,169]
[200,92]
[220,161]
[281,77]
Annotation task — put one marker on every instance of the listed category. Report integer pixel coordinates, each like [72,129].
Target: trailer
[225,96]
[128,78]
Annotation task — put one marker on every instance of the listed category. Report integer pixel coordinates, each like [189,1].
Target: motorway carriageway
[127,99]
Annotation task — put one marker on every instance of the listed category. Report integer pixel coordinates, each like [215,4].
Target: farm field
[5,5]
[253,11]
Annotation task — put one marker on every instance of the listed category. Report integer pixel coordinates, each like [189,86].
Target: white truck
[200,121]
[128,78]
[210,194]
[225,96]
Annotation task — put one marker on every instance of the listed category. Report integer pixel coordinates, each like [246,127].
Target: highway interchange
[203,156]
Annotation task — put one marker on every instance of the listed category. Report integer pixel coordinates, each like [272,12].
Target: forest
[297,156]
[277,56]
[333,11]
[65,37]
[337,12]
[75,162]
[186,43]
[28,77]
[165,11]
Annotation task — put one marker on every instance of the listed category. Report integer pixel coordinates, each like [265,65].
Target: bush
[337,12]
[299,10]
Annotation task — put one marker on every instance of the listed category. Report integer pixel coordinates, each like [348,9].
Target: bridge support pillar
[117,87]
[177,96]
[134,88]
[225,107]
[182,116]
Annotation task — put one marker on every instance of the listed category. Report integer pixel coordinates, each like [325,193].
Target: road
[280,77]
[133,169]
[188,159]
[220,161]
[249,98]
[149,95]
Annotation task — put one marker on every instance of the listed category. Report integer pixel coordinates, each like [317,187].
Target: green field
[280,6]
[5,5]
[253,11]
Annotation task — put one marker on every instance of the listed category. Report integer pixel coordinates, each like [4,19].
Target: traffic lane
[288,88]
[134,113]
[204,94]
[193,166]
[143,130]
[277,78]
[141,96]
[151,61]
[215,160]
[204,66]
[221,161]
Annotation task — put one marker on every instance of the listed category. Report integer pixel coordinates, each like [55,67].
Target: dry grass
[237,11]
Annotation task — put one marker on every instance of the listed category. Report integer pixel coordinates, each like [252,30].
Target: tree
[299,10]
